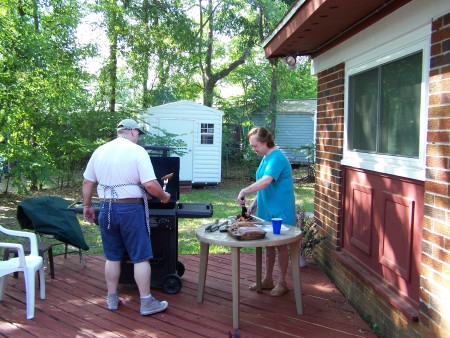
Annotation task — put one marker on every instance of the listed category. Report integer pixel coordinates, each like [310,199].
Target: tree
[158,33]
[53,113]
[226,37]
[41,86]
[259,80]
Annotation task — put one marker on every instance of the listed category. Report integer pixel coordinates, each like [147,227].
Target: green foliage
[222,197]
[224,203]
[310,152]
[178,146]
[38,59]
[311,235]
[53,113]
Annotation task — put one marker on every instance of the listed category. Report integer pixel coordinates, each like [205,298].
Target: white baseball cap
[129,124]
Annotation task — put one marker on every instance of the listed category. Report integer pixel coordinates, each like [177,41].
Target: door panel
[361,217]
[397,231]
[382,228]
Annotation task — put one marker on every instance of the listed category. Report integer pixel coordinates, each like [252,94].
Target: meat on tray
[246,231]
[247,218]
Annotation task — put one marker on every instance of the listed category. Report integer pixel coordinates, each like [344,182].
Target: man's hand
[89,214]
[166,198]
[155,189]
[88,210]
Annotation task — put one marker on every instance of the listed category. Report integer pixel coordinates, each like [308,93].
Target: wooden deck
[75,306]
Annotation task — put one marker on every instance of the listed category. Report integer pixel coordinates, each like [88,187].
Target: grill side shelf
[194,210]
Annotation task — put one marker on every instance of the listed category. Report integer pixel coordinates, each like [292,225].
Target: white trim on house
[402,23]
[395,165]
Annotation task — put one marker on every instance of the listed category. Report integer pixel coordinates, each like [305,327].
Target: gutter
[288,16]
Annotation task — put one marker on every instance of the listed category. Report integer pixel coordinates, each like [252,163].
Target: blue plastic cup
[276,225]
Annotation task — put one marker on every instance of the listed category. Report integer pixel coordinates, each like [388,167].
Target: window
[207,133]
[384,108]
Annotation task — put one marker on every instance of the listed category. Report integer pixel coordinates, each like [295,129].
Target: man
[122,172]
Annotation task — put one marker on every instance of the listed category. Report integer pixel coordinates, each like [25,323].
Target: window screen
[207,133]
[384,108]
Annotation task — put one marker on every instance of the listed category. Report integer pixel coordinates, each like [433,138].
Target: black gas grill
[166,269]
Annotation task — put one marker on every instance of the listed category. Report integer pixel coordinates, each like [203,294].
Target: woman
[275,198]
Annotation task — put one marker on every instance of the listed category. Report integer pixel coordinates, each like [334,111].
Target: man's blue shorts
[124,230]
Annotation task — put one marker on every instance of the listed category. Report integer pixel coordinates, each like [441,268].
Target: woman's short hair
[262,135]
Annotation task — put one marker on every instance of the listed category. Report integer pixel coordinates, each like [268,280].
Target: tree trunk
[210,79]
[208,93]
[112,73]
[273,99]
[146,23]
[112,62]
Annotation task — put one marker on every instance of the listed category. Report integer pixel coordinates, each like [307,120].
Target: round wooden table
[289,235]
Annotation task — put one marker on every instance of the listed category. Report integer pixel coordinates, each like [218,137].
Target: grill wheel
[180,268]
[172,284]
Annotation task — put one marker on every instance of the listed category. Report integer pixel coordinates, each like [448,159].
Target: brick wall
[329,145]
[434,317]
[328,203]
[435,268]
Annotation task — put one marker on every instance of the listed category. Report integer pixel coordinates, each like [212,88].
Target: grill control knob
[165,222]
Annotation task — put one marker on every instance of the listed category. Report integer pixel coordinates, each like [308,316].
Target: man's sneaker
[150,306]
[113,301]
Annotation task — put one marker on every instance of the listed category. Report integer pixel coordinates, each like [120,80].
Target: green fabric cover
[49,215]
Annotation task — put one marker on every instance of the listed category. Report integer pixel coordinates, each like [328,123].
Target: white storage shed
[200,127]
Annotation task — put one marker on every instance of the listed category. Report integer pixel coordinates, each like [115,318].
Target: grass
[222,197]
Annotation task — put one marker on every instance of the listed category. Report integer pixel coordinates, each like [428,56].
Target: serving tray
[249,237]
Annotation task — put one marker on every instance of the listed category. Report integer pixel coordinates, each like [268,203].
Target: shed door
[185,130]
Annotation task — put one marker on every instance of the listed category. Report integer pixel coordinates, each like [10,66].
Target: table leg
[294,253]
[204,253]
[235,265]
[258,268]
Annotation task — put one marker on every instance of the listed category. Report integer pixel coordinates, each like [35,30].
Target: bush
[310,233]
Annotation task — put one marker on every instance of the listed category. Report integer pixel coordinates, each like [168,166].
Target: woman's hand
[252,207]
[241,198]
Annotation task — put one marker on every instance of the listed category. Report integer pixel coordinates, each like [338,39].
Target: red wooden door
[382,228]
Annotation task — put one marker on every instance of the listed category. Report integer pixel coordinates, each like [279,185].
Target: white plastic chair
[28,264]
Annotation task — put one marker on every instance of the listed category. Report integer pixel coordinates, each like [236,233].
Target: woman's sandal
[263,287]
[278,291]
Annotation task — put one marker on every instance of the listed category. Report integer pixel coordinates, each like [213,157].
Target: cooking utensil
[223,227]
[244,211]
[218,226]
[209,227]
[215,226]
[165,179]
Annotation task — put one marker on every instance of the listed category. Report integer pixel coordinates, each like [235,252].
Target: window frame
[207,133]
[389,164]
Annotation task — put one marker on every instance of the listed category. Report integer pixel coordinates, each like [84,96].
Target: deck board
[75,305]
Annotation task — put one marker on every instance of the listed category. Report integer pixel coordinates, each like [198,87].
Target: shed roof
[293,106]
[307,106]
[184,105]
